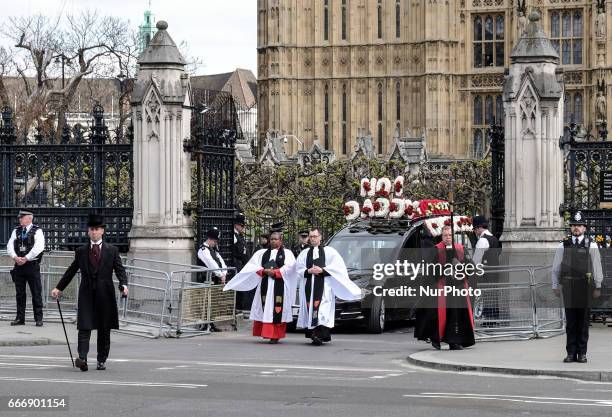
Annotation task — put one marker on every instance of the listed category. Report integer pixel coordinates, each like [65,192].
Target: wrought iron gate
[586,159]
[215,129]
[89,169]
[496,138]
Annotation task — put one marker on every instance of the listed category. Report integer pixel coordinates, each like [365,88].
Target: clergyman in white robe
[266,323]
[317,315]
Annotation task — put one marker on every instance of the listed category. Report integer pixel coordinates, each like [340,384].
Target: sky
[223,33]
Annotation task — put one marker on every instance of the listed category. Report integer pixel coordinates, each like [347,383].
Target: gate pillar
[533,173]
[161,111]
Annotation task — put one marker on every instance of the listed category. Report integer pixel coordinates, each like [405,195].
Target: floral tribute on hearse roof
[384,199]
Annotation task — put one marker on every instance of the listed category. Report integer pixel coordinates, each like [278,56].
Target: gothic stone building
[330,68]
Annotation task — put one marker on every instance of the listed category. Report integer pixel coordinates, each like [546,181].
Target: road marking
[38,365]
[178,363]
[94,382]
[515,398]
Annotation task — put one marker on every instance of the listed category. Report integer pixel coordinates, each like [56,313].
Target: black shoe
[436,344]
[316,341]
[81,364]
[273,341]
[456,347]
[214,328]
[581,358]
[569,359]
[101,366]
[39,323]
[18,322]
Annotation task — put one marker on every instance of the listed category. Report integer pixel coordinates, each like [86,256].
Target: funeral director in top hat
[97,306]
[577,267]
[25,247]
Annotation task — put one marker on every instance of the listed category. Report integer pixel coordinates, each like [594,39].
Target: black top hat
[213,234]
[25,213]
[277,227]
[239,219]
[480,221]
[303,233]
[95,220]
[577,219]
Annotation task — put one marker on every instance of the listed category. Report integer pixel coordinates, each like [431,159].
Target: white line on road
[38,365]
[226,364]
[94,382]
[515,398]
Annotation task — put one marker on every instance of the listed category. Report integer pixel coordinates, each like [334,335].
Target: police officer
[240,257]
[26,247]
[577,267]
[486,252]
[303,243]
[210,256]
[239,248]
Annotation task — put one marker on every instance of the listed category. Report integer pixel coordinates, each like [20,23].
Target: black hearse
[367,242]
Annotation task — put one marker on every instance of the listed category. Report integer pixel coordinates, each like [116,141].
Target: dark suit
[97,306]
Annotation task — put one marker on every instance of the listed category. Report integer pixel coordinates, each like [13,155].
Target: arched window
[343,20]
[326,21]
[477,110]
[379,19]
[398,102]
[578,108]
[398,19]
[380,119]
[344,119]
[380,102]
[566,30]
[489,40]
[326,117]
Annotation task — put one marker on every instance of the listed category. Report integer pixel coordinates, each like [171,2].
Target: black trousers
[30,274]
[576,298]
[103,344]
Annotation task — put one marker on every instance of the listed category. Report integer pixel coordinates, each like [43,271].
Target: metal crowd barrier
[525,309]
[166,299]
[191,301]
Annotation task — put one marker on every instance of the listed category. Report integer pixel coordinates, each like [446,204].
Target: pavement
[536,357]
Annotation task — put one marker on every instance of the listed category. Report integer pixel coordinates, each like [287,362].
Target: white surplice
[337,284]
[247,279]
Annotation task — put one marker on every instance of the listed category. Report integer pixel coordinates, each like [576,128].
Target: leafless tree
[83,44]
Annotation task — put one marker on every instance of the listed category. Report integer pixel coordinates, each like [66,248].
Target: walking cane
[59,307]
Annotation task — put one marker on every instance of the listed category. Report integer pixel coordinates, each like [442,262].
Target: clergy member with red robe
[270,271]
[451,320]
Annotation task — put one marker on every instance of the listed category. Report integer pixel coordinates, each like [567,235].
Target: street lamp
[64,60]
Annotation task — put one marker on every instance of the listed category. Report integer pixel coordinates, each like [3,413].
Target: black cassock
[445,318]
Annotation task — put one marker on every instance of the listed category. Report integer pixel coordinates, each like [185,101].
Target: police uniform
[27,242]
[211,258]
[299,247]
[577,268]
[240,257]
[486,252]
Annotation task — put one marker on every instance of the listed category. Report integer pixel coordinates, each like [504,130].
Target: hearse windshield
[363,251]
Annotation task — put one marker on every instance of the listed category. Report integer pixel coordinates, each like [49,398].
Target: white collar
[91,243]
[578,238]
[28,227]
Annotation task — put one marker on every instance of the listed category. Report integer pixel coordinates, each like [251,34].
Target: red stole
[441,297]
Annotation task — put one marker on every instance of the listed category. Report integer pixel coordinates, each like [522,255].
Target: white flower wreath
[396,214]
[355,210]
[384,207]
[367,204]
[399,180]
